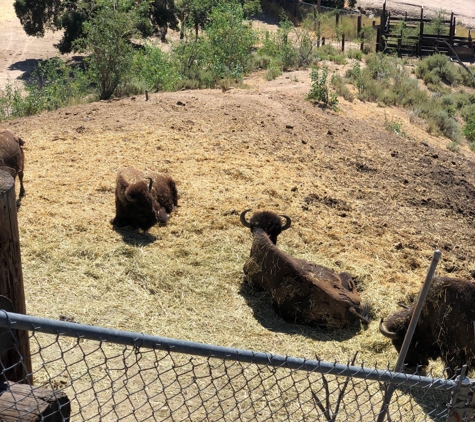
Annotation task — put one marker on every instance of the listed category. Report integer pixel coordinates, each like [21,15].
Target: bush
[107,38]
[319,90]
[340,88]
[51,85]
[469,128]
[191,61]
[156,68]
[273,70]
[467,111]
[279,46]
[446,125]
[355,54]
[380,66]
[437,68]
[230,41]
[328,52]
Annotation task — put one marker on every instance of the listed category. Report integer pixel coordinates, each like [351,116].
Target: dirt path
[19,53]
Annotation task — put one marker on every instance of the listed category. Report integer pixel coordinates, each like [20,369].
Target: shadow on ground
[135,237]
[265,314]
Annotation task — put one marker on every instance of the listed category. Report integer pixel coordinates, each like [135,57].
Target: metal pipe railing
[140,340]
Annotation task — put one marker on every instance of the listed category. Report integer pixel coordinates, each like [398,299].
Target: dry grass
[339,177]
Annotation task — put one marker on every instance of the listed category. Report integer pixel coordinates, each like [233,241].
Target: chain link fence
[88,373]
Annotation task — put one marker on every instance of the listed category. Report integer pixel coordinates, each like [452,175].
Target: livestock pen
[64,371]
[95,373]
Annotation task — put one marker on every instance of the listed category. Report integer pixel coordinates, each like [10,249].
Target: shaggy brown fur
[300,291]
[446,327]
[143,199]
[12,157]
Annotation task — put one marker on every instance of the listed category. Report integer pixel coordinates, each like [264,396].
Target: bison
[12,157]
[300,291]
[446,327]
[143,199]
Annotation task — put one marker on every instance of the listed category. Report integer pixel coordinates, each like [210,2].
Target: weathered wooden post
[342,42]
[381,30]
[11,279]
[452,29]
[421,33]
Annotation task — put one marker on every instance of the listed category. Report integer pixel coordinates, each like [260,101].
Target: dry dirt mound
[362,200]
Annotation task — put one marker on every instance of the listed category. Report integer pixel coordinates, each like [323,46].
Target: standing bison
[12,157]
[143,199]
[301,291]
[446,327]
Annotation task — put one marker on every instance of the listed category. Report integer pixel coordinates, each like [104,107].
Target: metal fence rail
[111,375]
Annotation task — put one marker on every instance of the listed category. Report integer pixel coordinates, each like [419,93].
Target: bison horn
[387,333]
[244,222]
[150,183]
[129,198]
[363,319]
[287,222]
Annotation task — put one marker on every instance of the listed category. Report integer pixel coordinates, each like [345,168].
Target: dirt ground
[361,200]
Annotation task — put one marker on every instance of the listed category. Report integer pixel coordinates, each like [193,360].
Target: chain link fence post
[462,403]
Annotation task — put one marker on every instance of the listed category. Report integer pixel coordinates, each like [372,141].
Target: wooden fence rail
[409,36]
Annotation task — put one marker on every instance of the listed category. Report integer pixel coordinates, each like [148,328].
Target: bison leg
[120,219]
[22,188]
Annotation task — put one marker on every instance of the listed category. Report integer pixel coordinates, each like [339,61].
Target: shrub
[279,46]
[107,38]
[469,128]
[156,68]
[319,90]
[437,68]
[447,125]
[230,40]
[453,146]
[355,54]
[191,61]
[273,70]
[380,66]
[394,126]
[465,78]
[467,111]
[328,52]
[340,88]
[11,102]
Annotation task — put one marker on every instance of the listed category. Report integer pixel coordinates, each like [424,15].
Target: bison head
[422,347]
[143,205]
[267,221]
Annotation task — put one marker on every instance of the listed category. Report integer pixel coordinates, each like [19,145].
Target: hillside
[361,200]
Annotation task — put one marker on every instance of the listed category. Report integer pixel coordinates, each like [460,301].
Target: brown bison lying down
[12,157]
[301,291]
[143,199]
[446,327]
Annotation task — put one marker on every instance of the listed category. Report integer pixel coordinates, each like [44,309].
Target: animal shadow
[134,237]
[432,402]
[266,315]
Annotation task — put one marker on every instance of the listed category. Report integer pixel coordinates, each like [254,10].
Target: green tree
[230,40]
[196,13]
[38,16]
[106,38]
